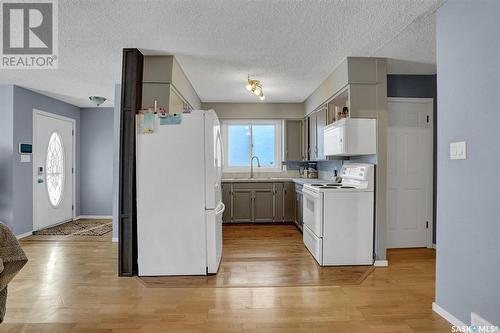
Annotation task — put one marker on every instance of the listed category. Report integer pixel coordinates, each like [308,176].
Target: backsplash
[325,168]
[263,174]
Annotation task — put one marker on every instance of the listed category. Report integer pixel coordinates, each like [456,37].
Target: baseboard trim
[80,217]
[114,239]
[381,263]
[26,234]
[446,315]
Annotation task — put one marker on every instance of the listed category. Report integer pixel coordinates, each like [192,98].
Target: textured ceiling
[291,46]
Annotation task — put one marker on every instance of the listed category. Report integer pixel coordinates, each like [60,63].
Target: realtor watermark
[29,34]
[475,329]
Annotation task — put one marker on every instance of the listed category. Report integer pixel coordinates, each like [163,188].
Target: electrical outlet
[458,150]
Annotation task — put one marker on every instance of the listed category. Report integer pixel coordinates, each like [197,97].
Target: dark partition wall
[130,103]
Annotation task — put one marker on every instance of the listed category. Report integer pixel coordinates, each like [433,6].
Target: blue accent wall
[96,163]
[468,191]
[16,185]
[24,102]
[116,159]
[6,154]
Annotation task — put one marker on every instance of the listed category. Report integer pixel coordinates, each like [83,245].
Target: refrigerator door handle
[221,209]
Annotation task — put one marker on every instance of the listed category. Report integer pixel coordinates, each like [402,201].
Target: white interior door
[52,170]
[409,173]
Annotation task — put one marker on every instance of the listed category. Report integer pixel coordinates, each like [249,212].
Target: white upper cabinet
[351,137]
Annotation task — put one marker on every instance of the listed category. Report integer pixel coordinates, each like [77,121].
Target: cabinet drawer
[313,244]
[253,186]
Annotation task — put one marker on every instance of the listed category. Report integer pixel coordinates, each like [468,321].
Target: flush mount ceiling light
[97,100]
[256,88]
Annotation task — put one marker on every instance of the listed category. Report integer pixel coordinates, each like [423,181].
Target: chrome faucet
[251,165]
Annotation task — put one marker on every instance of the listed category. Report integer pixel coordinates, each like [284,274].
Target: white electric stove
[339,217]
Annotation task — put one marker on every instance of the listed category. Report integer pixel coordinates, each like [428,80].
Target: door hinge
[426,224]
[72,207]
[72,170]
[428,119]
[73,132]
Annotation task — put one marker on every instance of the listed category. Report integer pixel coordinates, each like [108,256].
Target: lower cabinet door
[226,199]
[299,219]
[242,205]
[289,202]
[263,206]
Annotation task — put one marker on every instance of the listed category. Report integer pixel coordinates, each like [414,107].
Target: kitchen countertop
[274,180]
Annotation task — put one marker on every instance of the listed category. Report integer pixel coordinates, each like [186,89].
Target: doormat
[79,227]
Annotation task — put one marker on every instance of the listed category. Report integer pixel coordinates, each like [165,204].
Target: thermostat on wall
[25,148]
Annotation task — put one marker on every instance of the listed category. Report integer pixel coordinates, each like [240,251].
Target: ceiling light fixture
[97,100]
[257,91]
[255,87]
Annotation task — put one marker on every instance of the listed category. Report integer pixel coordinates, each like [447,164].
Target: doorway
[409,172]
[53,169]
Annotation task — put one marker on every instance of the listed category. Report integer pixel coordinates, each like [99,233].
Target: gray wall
[257,110]
[468,215]
[93,197]
[96,163]
[24,103]
[419,86]
[6,154]
[116,159]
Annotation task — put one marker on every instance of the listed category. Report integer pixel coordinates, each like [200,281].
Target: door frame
[424,100]
[37,112]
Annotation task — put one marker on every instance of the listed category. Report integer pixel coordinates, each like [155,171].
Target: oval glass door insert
[54,169]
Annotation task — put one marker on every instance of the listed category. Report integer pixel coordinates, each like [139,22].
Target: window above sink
[243,139]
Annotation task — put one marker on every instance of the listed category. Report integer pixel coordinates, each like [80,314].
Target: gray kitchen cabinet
[316,123]
[288,202]
[278,202]
[298,207]
[293,141]
[242,205]
[321,121]
[312,138]
[263,205]
[259,202]
[305,135]
[226,200]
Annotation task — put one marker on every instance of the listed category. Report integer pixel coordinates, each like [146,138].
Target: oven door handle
[310,193]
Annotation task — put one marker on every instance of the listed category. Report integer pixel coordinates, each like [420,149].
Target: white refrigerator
[179,200]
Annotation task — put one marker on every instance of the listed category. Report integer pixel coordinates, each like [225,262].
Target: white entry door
[409,172]
[52,169]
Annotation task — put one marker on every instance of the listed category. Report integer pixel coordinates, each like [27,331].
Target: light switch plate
[458,150]
[25,158]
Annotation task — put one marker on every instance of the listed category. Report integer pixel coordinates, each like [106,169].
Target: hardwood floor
[73,287]
[266,256]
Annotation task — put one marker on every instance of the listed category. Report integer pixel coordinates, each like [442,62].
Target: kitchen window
[243,139]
